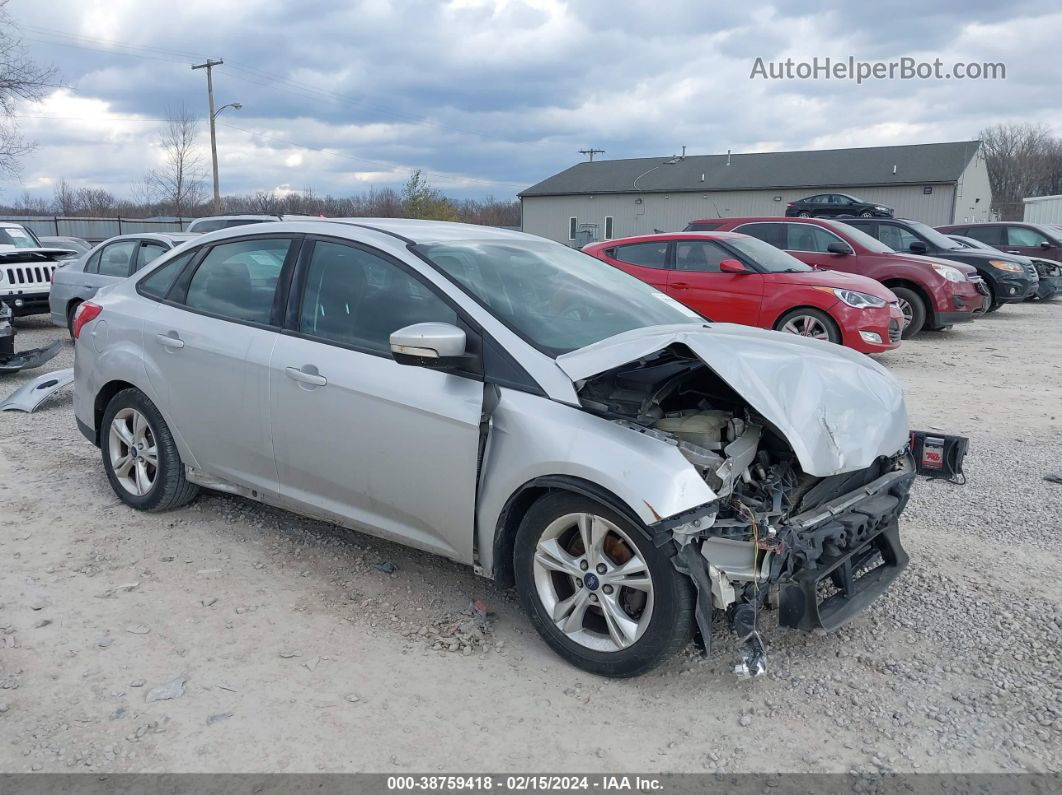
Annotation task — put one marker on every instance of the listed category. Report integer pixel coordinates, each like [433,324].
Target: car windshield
[932,236]
[771,259]
[556,298]
[869,242]
[17,237]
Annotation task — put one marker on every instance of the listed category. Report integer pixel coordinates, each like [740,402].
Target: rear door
[645,261]
[207,349]
[697,282]
[360,438]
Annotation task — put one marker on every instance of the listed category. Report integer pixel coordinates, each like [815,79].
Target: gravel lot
[300,654]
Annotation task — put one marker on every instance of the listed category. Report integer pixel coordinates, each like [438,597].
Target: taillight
[86,312]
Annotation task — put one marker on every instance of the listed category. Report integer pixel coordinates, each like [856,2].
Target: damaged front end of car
[11,362]
[813,533]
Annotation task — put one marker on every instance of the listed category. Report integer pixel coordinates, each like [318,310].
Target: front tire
[140,457]
[597,590]
[913,308]
[809,322]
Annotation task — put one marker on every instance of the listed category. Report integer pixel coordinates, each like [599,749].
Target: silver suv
[511,404]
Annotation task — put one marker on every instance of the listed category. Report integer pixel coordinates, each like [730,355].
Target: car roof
[409,230]
[166,237]
[766,219]
[245,217]
[691,235]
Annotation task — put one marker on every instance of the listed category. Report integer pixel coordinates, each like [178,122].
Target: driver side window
[356,298]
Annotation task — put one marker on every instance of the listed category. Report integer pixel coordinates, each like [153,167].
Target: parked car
[1013,237]
[26,268]
[1007,278]
[932,293]
[486,395]
[1048,271]
[215,222]
[76,245]
[834,205]
[109,262]
[733,278]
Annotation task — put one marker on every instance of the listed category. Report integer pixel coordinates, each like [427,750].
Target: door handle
[303,377]
[167,341]
[679,285]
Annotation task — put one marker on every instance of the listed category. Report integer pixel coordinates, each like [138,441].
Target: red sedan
[734,278]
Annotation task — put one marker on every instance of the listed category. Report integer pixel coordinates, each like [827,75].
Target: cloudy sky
[491,96]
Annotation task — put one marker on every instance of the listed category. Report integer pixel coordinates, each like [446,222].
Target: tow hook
[753,661]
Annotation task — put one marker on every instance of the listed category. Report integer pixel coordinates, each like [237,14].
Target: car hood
[835,279]
[839,409]
[922,259]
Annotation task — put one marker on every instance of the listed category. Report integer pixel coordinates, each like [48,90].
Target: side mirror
[1045,244]
[733,266]
[438,346]
[837,247]
[918,247]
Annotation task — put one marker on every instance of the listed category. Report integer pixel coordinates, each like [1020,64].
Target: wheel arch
[927,300]
[531,492]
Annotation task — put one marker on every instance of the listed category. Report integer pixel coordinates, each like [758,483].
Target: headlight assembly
[1003,265]
[857,300]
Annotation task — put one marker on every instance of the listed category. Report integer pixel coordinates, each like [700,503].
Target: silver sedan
[78,279]
[514,405]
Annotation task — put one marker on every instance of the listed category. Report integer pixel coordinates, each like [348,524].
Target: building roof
[827,168]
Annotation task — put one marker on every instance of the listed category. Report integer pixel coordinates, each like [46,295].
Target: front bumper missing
[829,563]
[839,589]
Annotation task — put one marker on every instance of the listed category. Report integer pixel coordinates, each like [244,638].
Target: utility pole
[209,65]
[591,152]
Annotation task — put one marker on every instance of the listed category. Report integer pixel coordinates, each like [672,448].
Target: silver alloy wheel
[907,311]
[807,326]
[592,582]
[803,214]
[133,451]
[867,214]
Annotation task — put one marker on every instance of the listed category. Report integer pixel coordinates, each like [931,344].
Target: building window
[608,227]
[571,227]
[927,189]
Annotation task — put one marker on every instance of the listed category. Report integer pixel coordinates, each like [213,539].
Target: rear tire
[140,457]
[913,308]
[803,214]
[587,615]
[799,321]
[71,310]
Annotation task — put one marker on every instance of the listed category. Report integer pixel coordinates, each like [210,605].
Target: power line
[591,151]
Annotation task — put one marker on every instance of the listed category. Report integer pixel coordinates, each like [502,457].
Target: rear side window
[115,258]
[773,233]
[93,264]
[647,255]
[148,253]
[701,226]
[238,280]
[356,298]
[206,226]
[992,235]
[158,283]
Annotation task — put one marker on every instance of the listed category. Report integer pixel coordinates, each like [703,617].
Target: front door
[1031,242]
[645,261]
[697,282]
[358,437]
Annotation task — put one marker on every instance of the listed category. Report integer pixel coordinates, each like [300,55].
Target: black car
[1009,279]
[835,205]
[1049,271]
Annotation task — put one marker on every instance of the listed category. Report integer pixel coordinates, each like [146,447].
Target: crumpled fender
[839,409]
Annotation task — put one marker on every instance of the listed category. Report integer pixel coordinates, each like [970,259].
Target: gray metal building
[936,183]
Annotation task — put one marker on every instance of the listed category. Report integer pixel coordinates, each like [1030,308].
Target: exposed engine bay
[820,549]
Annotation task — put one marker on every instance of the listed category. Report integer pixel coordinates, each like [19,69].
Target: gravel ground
[290,645]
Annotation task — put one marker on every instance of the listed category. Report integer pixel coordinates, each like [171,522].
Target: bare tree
[20,79]
[65,197]
[1023,160]
[179,183]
